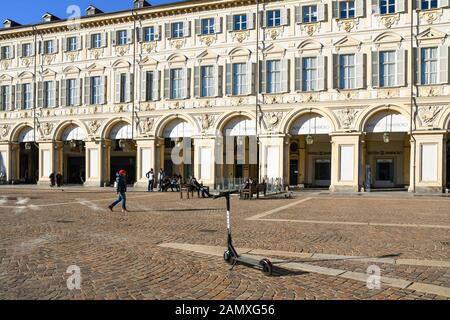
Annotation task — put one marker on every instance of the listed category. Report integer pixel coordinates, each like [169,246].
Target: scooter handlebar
[225,193]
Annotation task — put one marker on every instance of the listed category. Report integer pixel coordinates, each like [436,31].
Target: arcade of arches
[307,152]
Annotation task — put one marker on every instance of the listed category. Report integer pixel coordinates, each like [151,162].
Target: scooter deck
[248,261]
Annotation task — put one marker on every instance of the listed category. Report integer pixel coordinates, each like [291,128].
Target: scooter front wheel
[267,267]
[227,256]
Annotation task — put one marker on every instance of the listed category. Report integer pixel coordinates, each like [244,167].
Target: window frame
[429,4]
[239,79]
[276,20]
[176,83]
[347,72]
[210,27]
[310,74]
[350,11]
[96,41]
[310,13]
[96,90]
[147,35]
[242,24]
[426,74]
[388,5]
[207,81]
[122,37]
[177,30]
[386,65]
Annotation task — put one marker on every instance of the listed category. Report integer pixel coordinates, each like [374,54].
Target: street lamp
[309,139]
[386,137]
[73,144]
[121,143]
[27,146]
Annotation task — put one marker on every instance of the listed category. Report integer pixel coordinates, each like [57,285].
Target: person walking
[151,180]
[121,192]
[161,178]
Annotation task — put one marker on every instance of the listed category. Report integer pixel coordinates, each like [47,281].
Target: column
[5,154]
[146,150]
[345,155]
[46,162]
[94,163]
[272,157]
[427,162]
[59,157]
[204,160]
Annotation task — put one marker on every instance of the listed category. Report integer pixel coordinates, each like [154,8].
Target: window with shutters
[71,92]
[49,94]
[429,65]
[273,76]
[122,37]
[96,83]
[177,30]
[428,4]
[346,9]
[5,52]
[96,41]
[347,71]
[72,44]
[122,87]
[239,22]
[239,79]
[27,102]
[273,18]
[149,34]
[207,81]
[309,14]
[5,97]
[309,73]
[387,68]
[176,83]
[208,26]
[149,86]
[27,50]
[49,47]
[387,6]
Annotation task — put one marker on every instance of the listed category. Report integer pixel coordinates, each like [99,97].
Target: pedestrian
[59,179]
[151,180]
[200,188]
[121,191]
[52,179]
[161,178]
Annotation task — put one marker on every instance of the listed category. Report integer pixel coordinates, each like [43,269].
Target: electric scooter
[230,255]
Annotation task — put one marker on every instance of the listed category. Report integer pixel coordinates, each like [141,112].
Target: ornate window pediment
[431,36]
[274,51]
[239,54]
[121,64]
[347,43]
[48,73]
[71,70]
[177,60]
[207,55]
[388,39]
[310,46]
[148,61]
[95,67]
[6,78]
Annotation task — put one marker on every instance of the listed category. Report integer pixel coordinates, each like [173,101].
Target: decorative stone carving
[4,130]
[148,106]
[120,108]
[5,64]
[177,43]
[347,117]
[176,105]
[149,46]
[208,39]
[309,97]
[72,56]
[121,50]
[272,119]
[93,126]
[310,28]
[272,99]
[428,114]
[240,36]
[46,129]
[237,101]
[147,126]
[390,19]
[347,24]
[49,58]
[26,61]
[388,93]
[430,16]
[274,33]
[207,121]
[348,94]
[429,91]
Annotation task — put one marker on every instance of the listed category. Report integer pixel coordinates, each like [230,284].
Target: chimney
[92,11]
[139,4]
[48,17]
[8,23]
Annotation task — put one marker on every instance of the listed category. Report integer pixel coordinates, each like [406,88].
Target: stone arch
[164,121]
[365,116]
[289,120]
[109,125]
[121,63]
[62,126]
[17,130]
[444,119]
[25,74]
[223,120]
[310,45]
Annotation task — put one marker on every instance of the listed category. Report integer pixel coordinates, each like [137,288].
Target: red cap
[122,172]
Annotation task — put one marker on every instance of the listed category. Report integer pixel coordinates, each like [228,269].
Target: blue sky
[31,11]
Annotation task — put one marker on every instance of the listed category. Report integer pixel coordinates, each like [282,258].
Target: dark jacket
[121,183]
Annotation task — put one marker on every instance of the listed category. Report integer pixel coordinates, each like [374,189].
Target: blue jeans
[150,185]
[123,199]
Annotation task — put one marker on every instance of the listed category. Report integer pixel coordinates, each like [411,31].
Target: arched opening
[73,155]
[177,151]
[448,157]
[387,151]
[240,153]
[310,152]
[123,152]
[28,155]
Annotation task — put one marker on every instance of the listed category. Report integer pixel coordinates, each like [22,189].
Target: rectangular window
[26,50]
[71,92]
[123,87]
[309,14]
[48,47]
[176,80]
[387,6]
[273,76]
[96,41]
[48,94]
[207,81]
[26,96]
[5,97]
[72,44]
[429,65]
[95,90]
[149,86]
[347,9]
[239,79]
[274,18]
[122,37]
[208,26]
[429,4]
[240,22]
[6,52]
[177,30]
[149,34]
[387,68]
[310,73]
[347,72]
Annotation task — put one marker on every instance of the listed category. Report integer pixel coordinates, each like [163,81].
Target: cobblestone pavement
[43,232]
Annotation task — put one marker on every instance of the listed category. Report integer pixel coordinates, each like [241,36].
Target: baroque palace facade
[350,95]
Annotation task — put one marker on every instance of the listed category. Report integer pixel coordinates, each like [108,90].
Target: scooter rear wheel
[267,267]
[227,256]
